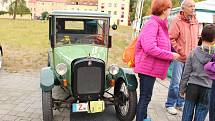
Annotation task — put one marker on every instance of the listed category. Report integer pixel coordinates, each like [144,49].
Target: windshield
[81,31]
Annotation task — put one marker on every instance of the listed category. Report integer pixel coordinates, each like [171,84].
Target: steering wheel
[98,38]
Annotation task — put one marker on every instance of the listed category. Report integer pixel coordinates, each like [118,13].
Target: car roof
[78,13]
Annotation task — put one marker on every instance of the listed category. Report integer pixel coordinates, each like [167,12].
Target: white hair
[182,4]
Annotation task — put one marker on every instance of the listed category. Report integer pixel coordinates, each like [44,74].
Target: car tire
[47,106]
[132,102]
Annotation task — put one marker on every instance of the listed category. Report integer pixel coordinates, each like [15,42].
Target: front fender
[128,76]
[46,79]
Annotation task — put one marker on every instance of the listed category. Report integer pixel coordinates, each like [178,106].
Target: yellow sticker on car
[96,106]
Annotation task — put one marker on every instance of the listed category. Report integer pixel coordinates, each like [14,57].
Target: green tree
[147,5]
[45,15]
[132,8]
[4,1]
[18,7]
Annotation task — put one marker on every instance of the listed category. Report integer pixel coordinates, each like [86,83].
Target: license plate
[96,106]
[79,107]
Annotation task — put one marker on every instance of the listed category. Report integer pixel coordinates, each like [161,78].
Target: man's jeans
[173,98]
[212,103]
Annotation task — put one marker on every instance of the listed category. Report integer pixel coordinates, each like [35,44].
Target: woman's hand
[176,56]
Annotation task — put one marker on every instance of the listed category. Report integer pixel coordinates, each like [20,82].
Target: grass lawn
[25,44]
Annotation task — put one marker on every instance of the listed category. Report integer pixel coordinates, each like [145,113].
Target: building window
[109,12]
[110,4]
[102,7]
[122,16]
[76,3]
[121,20]
[123,6]
[102,11]
[115,4]
[115,12]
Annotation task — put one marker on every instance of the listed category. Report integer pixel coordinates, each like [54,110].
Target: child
[210,70]
[195,84]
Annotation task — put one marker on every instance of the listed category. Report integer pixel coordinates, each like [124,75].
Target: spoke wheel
[126,102]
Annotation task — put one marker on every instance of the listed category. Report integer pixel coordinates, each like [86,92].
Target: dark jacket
[194,68]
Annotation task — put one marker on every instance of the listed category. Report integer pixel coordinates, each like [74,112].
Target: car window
[74,25]
[77,31]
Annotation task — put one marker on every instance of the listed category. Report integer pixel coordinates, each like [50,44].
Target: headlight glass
[113,69]
[61,69]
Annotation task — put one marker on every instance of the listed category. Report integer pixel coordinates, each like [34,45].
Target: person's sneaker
[172,110]
[179,108]
[147,119]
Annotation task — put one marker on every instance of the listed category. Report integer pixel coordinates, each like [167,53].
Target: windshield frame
[106,29]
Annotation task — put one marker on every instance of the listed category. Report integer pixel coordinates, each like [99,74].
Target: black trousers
[146,89]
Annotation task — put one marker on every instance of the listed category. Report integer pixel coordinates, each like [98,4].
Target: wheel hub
[122,99]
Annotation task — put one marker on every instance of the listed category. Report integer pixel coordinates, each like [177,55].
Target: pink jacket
[153,49]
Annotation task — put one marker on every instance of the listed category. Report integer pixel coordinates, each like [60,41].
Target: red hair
[158,6]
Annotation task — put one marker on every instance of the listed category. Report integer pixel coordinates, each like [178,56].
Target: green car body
[80,44]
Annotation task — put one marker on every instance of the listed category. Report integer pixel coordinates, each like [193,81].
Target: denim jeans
[146,89]
[173,98]
[188,111]
[197,98]
[212,103]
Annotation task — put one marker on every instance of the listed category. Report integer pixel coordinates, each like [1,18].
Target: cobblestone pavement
[20,100]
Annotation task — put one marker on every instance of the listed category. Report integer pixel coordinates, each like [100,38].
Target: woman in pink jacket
[153,54]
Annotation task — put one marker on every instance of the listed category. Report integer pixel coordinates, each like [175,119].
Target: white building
[118,9]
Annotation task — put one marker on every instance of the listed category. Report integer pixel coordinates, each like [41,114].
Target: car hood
[71,52]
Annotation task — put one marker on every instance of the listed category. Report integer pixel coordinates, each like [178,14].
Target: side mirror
[114,26]
[109,41]
[52,41]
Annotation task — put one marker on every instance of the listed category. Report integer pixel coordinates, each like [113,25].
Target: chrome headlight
[113,69]
[61,69]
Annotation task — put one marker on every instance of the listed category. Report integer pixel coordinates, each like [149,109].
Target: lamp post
[138,18]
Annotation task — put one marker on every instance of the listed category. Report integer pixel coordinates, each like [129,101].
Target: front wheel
[126,102]
[47,106]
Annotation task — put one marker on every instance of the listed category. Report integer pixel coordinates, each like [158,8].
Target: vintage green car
[77,62]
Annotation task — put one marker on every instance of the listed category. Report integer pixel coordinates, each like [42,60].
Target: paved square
[20,100]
